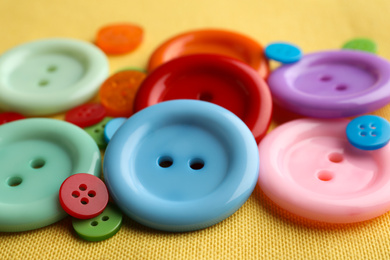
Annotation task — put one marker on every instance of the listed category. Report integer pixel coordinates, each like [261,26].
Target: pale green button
[50,76]
[101,227]
[361,44]
[36,156]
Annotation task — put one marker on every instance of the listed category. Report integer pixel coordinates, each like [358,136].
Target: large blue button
[368,132]
[181,165]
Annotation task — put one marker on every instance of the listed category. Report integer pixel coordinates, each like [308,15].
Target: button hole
[94,223]
[325,175]
[14,181]
[92,193]
[75,194]
[37,163]
[373,133]
[341,87]
[165,161]
[363,134]
[83,187]
[196,164]
[96,130]
[84,201]
[326,78]
[105,218]
[52,68]
[43,82]
[335,157]
[361,127]
[372,126]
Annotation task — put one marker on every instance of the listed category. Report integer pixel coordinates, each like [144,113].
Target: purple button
[332,84]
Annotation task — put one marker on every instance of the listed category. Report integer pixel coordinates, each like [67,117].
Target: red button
[83,196]
[221,80]
[9,117]
[86,115]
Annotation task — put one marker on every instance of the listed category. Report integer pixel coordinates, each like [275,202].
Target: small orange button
[118,91]
[119,38]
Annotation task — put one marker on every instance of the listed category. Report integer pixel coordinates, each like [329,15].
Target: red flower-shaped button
[83,196]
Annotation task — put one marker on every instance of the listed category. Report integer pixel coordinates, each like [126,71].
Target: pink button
[308,167]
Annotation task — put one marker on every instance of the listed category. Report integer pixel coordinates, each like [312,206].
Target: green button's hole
[52,68]
[76,194]
[165,161]
[83,187]
[94,223]
[105,218]
[43,82]
[14,181]
[37,163]
[96,130]
[91,193]
[196,164]
[84,201]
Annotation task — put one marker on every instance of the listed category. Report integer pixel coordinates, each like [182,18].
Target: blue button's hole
[84,201]
[361,126]
[75,194]
[165,161]
[105,218]
[373,133]
[196,164]
[373,126]
[14,181]
[37,163]
[363,133]
[94,223]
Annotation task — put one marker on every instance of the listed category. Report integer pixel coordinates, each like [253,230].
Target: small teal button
[181,165]
[112,126]
[368,132]
[283,52]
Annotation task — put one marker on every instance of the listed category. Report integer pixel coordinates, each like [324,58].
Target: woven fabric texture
[260,229]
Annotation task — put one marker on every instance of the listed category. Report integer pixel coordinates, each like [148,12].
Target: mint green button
[361,44]
[36,156]
[97,132]
[50,76]
[101,227]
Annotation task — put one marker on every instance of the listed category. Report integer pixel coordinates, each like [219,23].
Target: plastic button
[36,156]
[332,84]
[117,93]
[361,44]
[220,42]
[86,115]
[49,76]
[7,117]
[218,79]
[101,227]
[112,126]
[181,165]
[119,38]
[283,52]
[309,168]
[83,196]
[368,132]
[97,132]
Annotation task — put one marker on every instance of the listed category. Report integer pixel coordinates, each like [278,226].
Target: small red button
[9,117]
[86,115]
[83,196]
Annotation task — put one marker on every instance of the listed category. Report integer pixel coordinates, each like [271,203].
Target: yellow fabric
[259,230]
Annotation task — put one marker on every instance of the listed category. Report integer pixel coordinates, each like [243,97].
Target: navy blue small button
[181,165]
[368,132]
[283,52]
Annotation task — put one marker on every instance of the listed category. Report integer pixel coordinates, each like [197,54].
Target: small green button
[361,44]
[36,156]
[133,68]
[101,227]
[97,132]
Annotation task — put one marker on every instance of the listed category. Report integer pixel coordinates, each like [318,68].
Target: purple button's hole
[326,78]
[325,175]
[341,87]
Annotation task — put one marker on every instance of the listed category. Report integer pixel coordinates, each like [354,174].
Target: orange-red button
[118,91]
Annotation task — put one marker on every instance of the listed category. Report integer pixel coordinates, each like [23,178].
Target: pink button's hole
[325,175]
[83,187]
[84,201]
[91,193]
[75,194]
[326,78]
[336,157]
